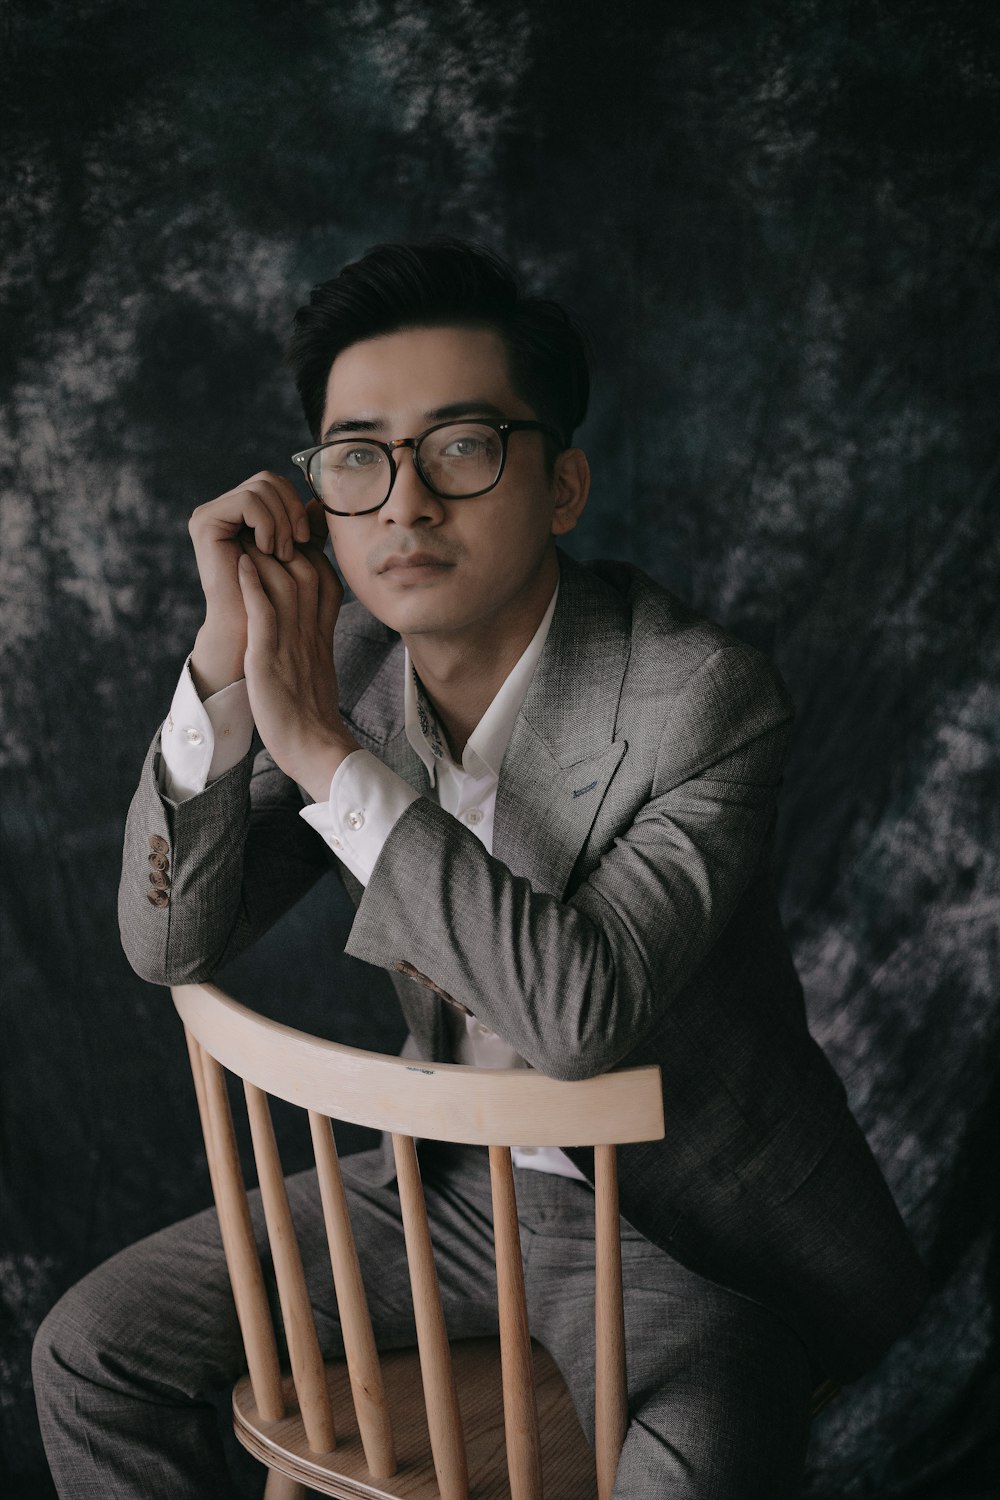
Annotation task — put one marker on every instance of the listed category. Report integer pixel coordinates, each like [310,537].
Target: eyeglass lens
[352,475]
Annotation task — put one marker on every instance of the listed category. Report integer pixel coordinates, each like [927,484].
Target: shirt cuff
[200,741]
[366,800]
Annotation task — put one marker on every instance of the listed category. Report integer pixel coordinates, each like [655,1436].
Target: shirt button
[194,736]
[474,815]
[335,842]
[355,820]
[526,1150]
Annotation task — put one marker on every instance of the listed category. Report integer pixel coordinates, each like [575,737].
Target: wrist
[318,763]
[217,658]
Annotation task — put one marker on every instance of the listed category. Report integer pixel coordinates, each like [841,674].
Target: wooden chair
[435,1421]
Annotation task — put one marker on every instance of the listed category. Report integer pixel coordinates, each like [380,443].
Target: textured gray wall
[780,222]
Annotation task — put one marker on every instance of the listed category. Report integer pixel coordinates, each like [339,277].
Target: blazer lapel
[376,717]
[563,752]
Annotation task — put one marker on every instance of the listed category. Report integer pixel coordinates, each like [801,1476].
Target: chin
[419,621]
[412,611]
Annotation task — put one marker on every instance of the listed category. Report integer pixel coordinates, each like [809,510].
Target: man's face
[479,563]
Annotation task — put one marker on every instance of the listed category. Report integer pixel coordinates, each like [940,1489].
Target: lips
[407,560]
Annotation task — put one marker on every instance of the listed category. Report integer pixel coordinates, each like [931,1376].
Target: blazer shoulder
[672,645]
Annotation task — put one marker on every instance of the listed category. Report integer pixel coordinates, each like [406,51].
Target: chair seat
[568,1468]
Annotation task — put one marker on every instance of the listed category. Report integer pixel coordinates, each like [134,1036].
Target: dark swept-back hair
[443,282]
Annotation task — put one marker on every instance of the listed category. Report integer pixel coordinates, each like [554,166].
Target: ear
[570,488]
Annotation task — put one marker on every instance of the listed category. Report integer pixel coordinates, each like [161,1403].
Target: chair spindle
[280,1487]
[524,1462]
[238,1241]
[363,1365]
[611,1391]
[300,1330]
[444,1422]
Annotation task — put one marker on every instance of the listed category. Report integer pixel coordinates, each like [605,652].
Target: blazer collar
[572,703]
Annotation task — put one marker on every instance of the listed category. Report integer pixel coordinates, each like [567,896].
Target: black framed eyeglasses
[456,460]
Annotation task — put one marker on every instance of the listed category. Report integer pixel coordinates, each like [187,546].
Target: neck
[462,671]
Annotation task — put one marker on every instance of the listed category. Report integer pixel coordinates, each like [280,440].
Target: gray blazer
[625,916]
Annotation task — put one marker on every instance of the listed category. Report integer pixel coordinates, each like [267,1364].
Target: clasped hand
[271,602]
[291,609]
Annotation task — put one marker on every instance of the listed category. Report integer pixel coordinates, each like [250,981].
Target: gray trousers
[133,1366]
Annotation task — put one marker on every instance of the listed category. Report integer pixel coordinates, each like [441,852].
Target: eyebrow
[439,414]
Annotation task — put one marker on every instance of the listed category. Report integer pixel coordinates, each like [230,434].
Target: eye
[361,457]
[470,445]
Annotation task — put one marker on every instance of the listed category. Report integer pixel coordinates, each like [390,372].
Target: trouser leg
[128,1365]
[132,1365]
[719,1387]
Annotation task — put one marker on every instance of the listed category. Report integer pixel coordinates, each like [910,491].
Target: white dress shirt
[201,741]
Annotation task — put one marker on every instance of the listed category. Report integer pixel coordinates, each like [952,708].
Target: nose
[410,502]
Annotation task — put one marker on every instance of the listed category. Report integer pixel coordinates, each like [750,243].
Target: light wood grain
[352,1305]
[437,1101]
[567,1460]
[610,1387]
[296,1311]
[444,1421]
[238,1241]
[280,1487]
[524,1461]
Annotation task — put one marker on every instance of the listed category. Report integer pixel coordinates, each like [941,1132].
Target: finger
[259,512]
[295,510]
[302,571]
[331,596]
[275,580]
[262,625]
[316,521]
[328,589]
[279,520]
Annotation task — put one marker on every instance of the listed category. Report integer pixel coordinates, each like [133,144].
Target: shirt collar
[487,744]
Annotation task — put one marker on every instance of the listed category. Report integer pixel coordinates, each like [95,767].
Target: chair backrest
[446,1102]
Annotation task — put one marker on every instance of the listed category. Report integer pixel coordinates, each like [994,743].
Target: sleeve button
[158,844]
[157,898]
[194,736]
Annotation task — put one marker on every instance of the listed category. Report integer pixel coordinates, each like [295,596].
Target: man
[550,791]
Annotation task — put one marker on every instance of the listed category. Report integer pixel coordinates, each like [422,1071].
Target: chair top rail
[437,1101]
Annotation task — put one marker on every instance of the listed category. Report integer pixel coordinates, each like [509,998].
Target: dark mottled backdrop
[780,222]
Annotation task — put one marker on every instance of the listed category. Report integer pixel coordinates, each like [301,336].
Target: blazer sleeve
[231,861]
[574,984]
